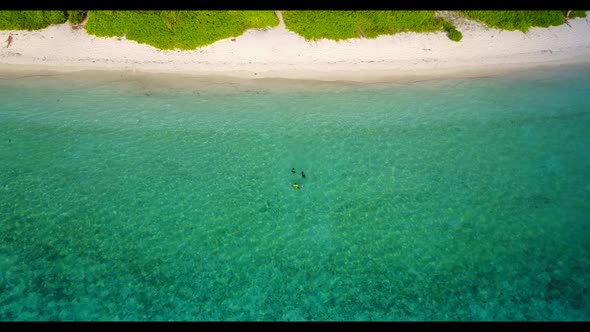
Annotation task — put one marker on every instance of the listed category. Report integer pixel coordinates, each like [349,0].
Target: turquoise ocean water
[464,199]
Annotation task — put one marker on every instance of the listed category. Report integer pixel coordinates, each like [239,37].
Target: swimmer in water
[296,186]
[293,170]
[303,174]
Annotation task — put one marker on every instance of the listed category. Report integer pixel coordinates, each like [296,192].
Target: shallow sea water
[464,199]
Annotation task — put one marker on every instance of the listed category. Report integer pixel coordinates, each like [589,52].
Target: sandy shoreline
[279,53]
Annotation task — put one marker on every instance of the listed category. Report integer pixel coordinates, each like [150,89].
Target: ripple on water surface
[442,200]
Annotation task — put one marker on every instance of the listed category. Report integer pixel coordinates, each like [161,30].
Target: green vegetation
[30,19]
[341,24]
[191,29]
[76,16]
[577,13]
[452,32]
[177,29]
[520,19]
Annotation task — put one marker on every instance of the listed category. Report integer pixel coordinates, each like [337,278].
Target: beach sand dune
[280,53]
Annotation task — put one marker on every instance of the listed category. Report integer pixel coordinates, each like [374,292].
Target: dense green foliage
[30,19]
[519,19]
[344,24]
[76,16]
[452,32]
[577,13]
[177,29]
[192,29]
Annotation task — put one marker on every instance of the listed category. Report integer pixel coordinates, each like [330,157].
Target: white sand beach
[279,53]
